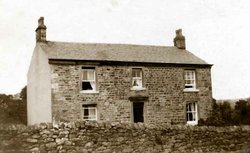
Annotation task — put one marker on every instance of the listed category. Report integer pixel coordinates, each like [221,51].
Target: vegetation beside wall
[224,115]
[13,109]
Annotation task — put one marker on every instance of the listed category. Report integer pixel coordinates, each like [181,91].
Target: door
[138,112]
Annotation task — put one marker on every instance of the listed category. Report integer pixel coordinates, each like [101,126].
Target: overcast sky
[216,31]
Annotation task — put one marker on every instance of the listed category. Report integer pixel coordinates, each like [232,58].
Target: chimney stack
[179,40]
[41,31]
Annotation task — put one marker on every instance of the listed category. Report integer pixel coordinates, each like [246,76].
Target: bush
[241,114]
[13,111]
[223,114]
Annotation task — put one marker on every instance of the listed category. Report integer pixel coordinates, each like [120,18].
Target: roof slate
[119,53]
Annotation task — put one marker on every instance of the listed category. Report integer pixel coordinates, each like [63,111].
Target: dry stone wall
[93,137]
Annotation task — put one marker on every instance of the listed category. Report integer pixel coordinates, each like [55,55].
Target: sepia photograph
[123,76]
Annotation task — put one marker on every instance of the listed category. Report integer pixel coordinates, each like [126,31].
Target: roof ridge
[125,44]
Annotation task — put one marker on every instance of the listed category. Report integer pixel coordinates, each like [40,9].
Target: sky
[217,31]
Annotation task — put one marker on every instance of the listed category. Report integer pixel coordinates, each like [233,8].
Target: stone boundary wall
[93,137]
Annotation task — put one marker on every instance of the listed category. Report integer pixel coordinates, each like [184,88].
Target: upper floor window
[89,112]
[88,79]
[136,78]
[190,82]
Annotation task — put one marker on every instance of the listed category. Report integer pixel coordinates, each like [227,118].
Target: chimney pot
[41,31]
[179,40]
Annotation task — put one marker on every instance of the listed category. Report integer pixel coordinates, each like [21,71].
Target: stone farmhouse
[117,82]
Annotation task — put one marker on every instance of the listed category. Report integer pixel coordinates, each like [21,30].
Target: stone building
[117,82]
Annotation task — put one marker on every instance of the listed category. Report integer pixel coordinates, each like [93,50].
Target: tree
[23,93]
[226,113]
[222,114]
[23,105]
[9,109]
[215,118]
[242,112]
[13,110]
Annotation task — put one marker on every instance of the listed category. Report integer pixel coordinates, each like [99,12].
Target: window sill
[191,90]
[192,123]
[89,119]
[137,89]
[93,92]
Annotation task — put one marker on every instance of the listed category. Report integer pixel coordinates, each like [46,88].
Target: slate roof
[119,52]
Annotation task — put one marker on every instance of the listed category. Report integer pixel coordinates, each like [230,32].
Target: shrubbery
[223,114]
[13,111]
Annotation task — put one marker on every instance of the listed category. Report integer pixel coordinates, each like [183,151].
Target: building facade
[117,82]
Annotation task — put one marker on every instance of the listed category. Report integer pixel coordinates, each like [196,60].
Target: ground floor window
[191,113]
[138,112]
[89,112]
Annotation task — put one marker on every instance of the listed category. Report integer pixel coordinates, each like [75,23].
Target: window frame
[194,79]
[88,68]
[88,106]
[141,78]
[192,122]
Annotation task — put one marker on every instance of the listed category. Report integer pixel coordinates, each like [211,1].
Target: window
[190,79]
[136,78]
[88,79]
[192,116]
[89,112]
[138,112]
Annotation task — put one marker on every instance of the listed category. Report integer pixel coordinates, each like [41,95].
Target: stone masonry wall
[165,99]
[93,137]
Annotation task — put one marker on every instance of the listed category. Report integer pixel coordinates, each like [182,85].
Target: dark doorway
[138,111]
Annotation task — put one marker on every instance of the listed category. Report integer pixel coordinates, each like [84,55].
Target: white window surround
[88,80]
[191,90]
[192,113]
[190,81]
[137,79]
[136,88]
[89,91]
[89,112]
